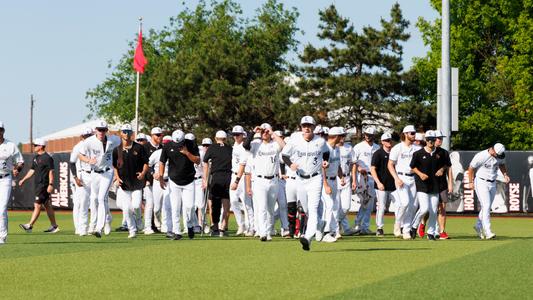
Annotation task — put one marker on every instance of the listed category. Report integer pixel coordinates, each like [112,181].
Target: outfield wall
[513,198]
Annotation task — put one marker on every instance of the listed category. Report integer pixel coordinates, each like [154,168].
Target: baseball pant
[80,212]
[100,183]
[157,193]
[166,211]
[344,196]
[365,210]
[406,202]
[199,203]
[234,196]
[5,194]
[485,192]
[149,206]
[181,197]
[281,211]
[130,200]
[265,192]
[383,198]
[331,207]
[427,202]
[309,194]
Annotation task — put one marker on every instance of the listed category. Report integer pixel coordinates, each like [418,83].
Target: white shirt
[346,158]
[94,148]
[487,166]
[402,155]
[9,156]
[265,158]
[199,167]
[334,161]
[238,157]
[362,154]
[307,155]
[153,162]
[80,165]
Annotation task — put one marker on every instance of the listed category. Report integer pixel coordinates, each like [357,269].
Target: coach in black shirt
[445,176]
[383,180]
[220,171]
[425,164]
[43,169]
[181,155]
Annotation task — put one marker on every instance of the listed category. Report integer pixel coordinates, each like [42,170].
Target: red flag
[139,61]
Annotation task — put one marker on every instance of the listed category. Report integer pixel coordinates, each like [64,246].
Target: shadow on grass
[72,242]
[372,249]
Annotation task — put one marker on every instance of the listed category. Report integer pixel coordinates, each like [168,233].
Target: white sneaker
[269,238]
[406,235]
[319,236]
[2,241]
[132,235]
[284,233]
[207,230]
[250,233]
[490,236]
[397,230]
[148,231]
[338,235]
[107,228]
[240,231]
[82,234]
[328,239]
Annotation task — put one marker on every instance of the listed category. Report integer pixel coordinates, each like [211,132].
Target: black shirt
[149,149]
[220,156]
[134,160]
[42,164]
[444,160]
[380,159]
[426,163]
[180,168]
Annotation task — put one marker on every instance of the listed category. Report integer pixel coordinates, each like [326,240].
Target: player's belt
[308,176]
[346,175]
[86,171]
[406,174]
[197,177]
[101,171]
[4,175]
[291,177]
[332,178]
[267,177]
[487,179]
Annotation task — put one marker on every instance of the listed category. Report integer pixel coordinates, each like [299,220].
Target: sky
[58,50]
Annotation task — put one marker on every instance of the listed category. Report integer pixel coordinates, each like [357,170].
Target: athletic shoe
[479,232]
[107,228]
[97,234]
[412,232]
[285,234]
[177,237]
[380,232]
[83,234]
[148,231]
[240,231]
[207,229]
[263,239]
[421,230]
[431,237]
[443,236]
[406,235]
[250,233]
[356,230]
[319,236]
[197,229]
[132,235]
[169,235]
[190,233]
[2,241]
[122,228]
[490,236]
[338,235]
[52,229]
[26,227]
[306,245]
[328,239]
[222,233]
[397,230]
[269,238]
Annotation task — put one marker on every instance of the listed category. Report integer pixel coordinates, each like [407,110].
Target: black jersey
[180,168]
[134,160]
[41,165]
[380,159]
[426,163]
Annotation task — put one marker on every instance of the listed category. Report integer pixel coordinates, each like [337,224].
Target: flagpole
[137,89]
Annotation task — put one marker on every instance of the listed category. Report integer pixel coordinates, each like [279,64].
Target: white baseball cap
[1,124]
[101,124]
[156,130]
[371,130]
[86,131]
[207,141]
[430,134]
[190,137]
[237,129]
[39,142]
[141,136]
[438,133]
[166,139]
[308,120]
[334,131]
[178,136]
[265,126]
[419,136]
[409,128]
[221,134]
[499,148]
[126,127]
[318,130]
[386,136]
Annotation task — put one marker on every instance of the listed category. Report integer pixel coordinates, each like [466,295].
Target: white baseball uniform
[80,211]
[238,158]
[161,195]
[362,156]
[9,157]
[331,202]
[344,192]
[281,209]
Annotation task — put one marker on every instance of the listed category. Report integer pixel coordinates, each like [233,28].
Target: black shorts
[42,196]
[219,187]
[443,196]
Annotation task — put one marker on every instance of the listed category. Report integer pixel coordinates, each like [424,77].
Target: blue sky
[57,50]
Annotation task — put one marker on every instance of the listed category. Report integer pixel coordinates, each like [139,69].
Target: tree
[357,78]
[491,44]
[209,69]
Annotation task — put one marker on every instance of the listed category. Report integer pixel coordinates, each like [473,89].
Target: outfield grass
[59,266]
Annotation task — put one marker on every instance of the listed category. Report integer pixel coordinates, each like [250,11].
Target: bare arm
[503,168]
[50,187]
[28,176]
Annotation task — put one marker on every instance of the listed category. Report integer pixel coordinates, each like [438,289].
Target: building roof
[76,130]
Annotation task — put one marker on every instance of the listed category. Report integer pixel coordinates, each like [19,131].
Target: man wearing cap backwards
[487,163]
[181,155]
[384,182]
[130,176]
[152,208]
[220,155]
[265,159]
[43,168]
[11,163]
[237,191]
[98,152]
[161,195]
[81,172]
[307,155]
[344,192]
[399,167]
[425,165]
[362,181]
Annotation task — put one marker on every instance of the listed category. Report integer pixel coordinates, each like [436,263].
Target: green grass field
[64,266]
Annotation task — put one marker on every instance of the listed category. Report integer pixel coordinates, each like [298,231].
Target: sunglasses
[127,131]
[387,140]
[158,134]
[412,133]
[101,129]
[431,140]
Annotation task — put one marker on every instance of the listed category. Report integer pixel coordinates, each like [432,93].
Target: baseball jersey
[308,155]
[153,162]
[199,167]
[380,159]
[134,160]
[346,158]
[265,158]
[486,165]
[42,165]
[362,154]
[334,161]
[94,148]
[238,157]
[180,167]
[80,165]
[402,154]
[9,156]
[427,163]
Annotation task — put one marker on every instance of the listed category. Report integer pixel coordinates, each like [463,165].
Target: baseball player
[81,172]
[399,167]
[487,163]
[11,163]
[181,155]
[291,194]
[199,189]
[265,159]
[130,176]
[152,208]
[238,163]
[362,180]
[384,182]
[344,192]
[97,152]
[307,155]
[160,194]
